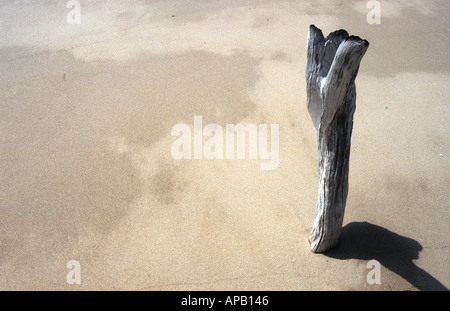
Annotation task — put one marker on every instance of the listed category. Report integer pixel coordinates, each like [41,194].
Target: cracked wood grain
[331,69]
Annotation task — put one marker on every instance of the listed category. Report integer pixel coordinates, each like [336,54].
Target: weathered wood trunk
[331,69]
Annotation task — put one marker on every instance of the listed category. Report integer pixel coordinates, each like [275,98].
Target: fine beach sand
[86,171]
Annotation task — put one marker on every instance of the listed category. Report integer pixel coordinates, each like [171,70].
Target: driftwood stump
[331,69]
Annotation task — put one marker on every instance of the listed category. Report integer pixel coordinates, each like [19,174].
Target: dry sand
[87,174]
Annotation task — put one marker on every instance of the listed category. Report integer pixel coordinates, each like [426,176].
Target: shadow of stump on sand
[365,241]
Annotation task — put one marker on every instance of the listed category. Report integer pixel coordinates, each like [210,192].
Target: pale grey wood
[331,69]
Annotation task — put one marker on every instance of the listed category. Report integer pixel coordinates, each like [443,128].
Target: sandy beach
[87,174]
